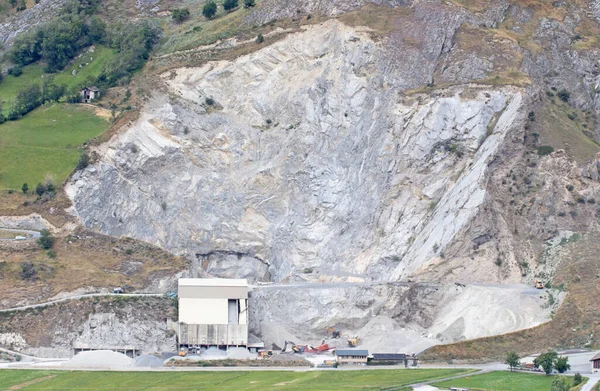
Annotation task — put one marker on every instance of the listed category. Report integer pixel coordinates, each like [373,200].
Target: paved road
[78,297]
[595,378]
[332,285]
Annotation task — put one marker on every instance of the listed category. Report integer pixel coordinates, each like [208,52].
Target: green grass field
[32,74]
[254,380]
[45,143]
[502,381]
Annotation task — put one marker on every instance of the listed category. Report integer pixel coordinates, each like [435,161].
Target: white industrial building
[213,312]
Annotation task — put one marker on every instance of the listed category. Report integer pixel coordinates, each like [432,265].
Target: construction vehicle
[353,342]
[333,333]
[182,353]
[265,354]
[306,348]
[295,348]
[539,284]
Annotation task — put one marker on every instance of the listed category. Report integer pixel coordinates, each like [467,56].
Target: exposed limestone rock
[329,171]
[23,21]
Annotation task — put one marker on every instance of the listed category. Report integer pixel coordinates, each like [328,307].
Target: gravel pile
[240,354]
[148,361]
[100,359]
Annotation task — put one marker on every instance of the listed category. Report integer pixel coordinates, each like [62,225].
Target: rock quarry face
[305,162]
[306,158]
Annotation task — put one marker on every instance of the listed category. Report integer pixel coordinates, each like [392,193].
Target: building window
[233,311]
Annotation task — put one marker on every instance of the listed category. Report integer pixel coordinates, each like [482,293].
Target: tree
[50,91]
[209,10]
[559,384]
[564,95]
[84,161]
[96,29]
[46,241]
[180,14]
[249,3]
[561,364]
[28,98]
[228,5]
[546,361]
[40,189]
[25,188]
[512,360]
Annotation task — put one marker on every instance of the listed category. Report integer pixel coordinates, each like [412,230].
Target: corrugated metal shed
[389,356]
[351,352]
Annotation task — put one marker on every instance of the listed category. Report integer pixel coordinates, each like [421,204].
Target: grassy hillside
[263,380]
[32,74]
[45,144]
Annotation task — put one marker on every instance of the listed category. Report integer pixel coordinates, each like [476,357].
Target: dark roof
[596,357]
[351,352]
[389,356]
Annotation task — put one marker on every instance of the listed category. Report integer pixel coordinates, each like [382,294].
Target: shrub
[28,98]
[577,379]
[51,254]
[40,189]
[46,241]
[15,71]
[28,271]
[260,38]
[545,150]
[25,188]
[559,384]
[572,116]
[249,3]
[209,101]
[180,14]
[570,187]
[531,116]
[84,161]
[209,10]
[564,95]
[228,5]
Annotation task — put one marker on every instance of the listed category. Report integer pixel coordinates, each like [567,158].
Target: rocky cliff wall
[305,162]
[329,171]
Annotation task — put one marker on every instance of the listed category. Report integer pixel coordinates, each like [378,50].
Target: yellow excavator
[353,342]
[539,284]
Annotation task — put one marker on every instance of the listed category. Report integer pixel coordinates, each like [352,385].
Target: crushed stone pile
[240,354]
[148,361]
[101,359]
